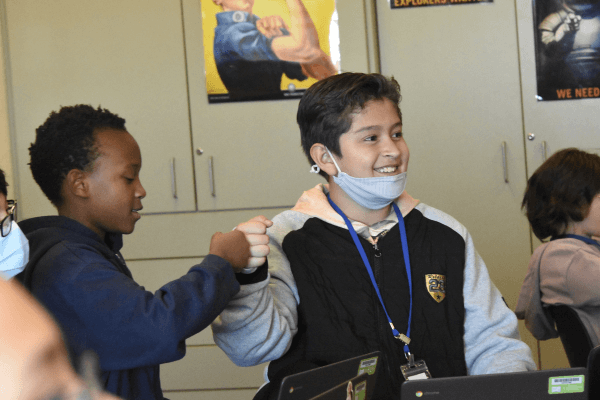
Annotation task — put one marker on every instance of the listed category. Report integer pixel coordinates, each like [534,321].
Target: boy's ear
[321,157]
[76,184]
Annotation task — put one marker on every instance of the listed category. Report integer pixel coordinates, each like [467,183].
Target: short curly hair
[325,110]
[560,191]
[65,141]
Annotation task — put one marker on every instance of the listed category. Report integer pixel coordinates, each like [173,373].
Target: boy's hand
[256,234]
[232,247]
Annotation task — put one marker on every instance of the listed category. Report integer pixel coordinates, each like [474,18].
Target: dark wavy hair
[560,191]
[65,141]
[326,108]
[3,184]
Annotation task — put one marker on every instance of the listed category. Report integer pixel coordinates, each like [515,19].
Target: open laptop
[593,367]
[312,383]
[554,384]
[352,389]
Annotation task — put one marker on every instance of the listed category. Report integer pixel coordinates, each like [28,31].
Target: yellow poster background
[321,12]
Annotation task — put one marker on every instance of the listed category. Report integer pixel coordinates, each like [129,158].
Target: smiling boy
[358,265]
[88,165]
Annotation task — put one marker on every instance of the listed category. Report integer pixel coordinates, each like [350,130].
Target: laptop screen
[554,384]
[309,384]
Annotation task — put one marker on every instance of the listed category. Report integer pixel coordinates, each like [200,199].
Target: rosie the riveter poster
[267,49]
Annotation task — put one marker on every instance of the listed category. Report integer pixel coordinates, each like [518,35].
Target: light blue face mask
[371,193]
[14,252]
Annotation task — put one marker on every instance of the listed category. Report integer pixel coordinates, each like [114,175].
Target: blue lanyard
[397,335]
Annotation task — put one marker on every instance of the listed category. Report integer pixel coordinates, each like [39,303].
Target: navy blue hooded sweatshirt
[87,287]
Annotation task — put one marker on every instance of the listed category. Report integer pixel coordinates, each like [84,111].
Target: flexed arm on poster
[558,24]
[302,44]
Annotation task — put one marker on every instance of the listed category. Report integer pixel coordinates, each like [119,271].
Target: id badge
[414,370]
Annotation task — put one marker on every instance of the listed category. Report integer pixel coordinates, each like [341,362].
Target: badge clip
[414,370]
[400,336]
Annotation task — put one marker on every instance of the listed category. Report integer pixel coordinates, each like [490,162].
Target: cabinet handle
[173,179]
[544,150]
[504,162]
[211,177]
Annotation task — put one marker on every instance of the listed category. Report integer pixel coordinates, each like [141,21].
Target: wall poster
[252,48]
[424,3]
[567,49]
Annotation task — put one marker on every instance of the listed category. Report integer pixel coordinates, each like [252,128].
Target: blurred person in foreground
[33,356]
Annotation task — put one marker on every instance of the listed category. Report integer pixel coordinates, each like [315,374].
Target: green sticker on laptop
[368,365]
[360,391]
[566,384]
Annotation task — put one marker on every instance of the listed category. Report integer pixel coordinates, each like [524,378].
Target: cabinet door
[251,154]
[458,68]
[128,57]
[553,125]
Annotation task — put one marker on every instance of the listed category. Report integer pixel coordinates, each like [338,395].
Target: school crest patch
[436,286]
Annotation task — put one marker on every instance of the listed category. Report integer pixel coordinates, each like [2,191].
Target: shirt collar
[314,203]
[232,17]
[373,232]
[376,230]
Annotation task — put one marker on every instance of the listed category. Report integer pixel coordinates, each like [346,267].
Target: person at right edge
[562,202]
[429,297]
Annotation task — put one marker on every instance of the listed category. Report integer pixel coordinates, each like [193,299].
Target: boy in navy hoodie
[88,165]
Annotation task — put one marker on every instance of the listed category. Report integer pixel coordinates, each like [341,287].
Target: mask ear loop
[315,169]
[333,159]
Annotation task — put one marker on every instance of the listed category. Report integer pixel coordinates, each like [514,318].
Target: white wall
[5,142]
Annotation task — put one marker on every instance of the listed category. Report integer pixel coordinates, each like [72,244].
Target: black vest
[340,315]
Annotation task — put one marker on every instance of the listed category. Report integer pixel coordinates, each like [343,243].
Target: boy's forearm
[257,326]
[492,341]
[126,325]
[260,322]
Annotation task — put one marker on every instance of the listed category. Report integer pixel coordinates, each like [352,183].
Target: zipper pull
[377,251]
[120,258]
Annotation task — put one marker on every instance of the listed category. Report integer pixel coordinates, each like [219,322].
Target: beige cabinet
[475,128]
[128,57]
[144,61]
[467,75]
[549,126]
[250,152]
[458,67]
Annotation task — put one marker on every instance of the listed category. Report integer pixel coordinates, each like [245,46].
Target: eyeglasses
[7,221]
